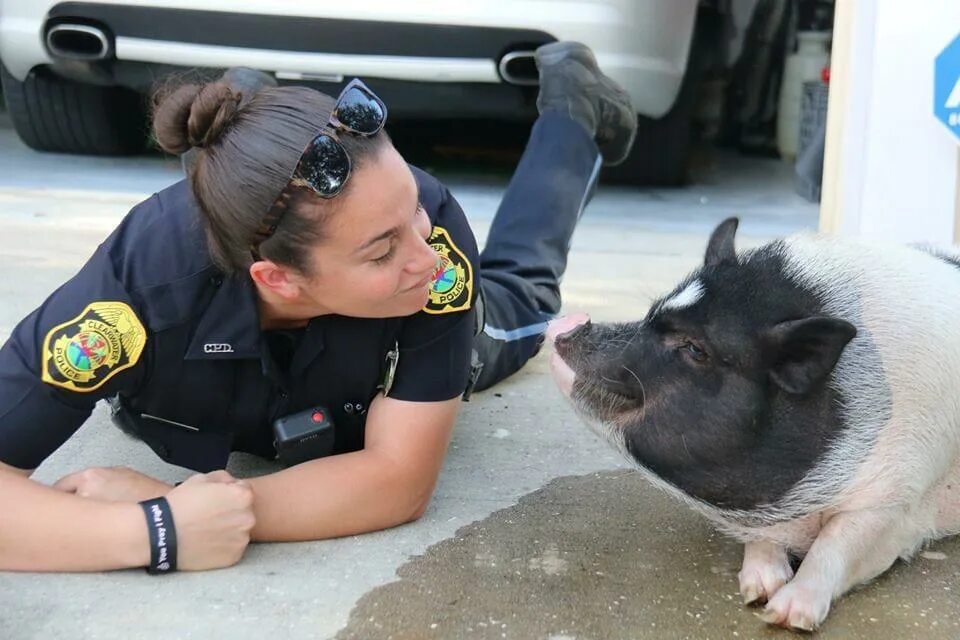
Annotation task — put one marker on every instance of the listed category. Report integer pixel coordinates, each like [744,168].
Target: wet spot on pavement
[607,556]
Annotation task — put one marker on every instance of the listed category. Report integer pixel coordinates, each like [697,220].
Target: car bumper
[643,44]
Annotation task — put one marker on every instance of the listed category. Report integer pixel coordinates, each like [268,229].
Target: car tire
[51,113]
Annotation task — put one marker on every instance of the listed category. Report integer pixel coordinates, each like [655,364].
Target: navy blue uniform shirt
[150,321]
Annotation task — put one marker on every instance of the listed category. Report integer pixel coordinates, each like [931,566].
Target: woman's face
[374,261]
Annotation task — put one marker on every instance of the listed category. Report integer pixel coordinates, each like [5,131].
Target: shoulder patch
[452,286]
[82,354]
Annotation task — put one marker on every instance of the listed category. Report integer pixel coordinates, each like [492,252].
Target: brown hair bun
[194,116]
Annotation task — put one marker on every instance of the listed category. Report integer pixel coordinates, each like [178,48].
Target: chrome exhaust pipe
[78,42]
[519,68]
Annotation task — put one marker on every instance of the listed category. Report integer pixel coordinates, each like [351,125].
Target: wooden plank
[831,210]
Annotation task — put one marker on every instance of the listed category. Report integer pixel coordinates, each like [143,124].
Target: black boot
[572,83]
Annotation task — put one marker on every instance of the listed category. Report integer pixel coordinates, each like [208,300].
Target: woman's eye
[385,257]
[695,352]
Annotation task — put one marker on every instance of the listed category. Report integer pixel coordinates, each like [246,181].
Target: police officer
[305,293]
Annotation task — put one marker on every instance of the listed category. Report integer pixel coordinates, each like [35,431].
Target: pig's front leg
[851,548]
[766,568]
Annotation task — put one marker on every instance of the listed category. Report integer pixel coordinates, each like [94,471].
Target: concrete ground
[537,531]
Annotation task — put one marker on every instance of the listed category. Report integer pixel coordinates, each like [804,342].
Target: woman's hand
[113,484]
[213,515]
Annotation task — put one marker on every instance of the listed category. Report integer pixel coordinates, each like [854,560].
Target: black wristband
[163,536]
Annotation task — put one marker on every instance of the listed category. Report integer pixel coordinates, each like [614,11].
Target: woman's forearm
[42,529]
[339,496]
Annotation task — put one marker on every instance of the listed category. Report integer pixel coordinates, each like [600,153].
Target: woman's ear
[277,279]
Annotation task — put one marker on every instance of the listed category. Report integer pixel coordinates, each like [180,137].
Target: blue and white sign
[946,87]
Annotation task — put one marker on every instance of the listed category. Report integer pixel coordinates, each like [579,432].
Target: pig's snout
[560,332]
[567,328]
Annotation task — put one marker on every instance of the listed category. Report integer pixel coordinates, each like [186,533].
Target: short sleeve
[84,343]
[436,343]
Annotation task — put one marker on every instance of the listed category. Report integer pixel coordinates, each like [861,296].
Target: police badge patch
[82,354]
[452,286]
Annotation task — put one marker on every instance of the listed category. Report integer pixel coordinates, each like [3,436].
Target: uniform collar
[310,347]
[230,325]
[230,328]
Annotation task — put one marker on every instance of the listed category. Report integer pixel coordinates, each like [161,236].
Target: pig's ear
[720,248]
[802,353]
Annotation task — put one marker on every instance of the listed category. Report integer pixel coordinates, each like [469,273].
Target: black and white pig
[804,396]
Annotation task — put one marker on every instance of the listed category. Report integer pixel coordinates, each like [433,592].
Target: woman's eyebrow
[386,235]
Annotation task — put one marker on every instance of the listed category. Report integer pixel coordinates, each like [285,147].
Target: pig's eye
[694,352]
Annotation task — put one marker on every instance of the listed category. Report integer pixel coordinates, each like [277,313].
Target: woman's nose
[426,258]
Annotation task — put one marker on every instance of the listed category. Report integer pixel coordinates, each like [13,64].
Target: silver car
[75,74]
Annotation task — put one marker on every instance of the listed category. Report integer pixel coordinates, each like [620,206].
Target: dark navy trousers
[525,255]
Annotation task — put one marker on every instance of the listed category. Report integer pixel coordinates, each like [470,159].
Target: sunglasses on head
[324,166]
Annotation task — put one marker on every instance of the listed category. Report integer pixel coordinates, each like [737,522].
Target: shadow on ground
[606,556]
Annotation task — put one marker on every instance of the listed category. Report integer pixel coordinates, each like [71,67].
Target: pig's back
[900,376]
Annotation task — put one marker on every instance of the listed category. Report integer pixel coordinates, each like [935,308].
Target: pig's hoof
[763,574]
[759,586]
[798,607]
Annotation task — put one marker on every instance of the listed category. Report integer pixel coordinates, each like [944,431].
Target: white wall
[893,168]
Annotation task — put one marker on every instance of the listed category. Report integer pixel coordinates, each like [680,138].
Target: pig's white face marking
[686,298]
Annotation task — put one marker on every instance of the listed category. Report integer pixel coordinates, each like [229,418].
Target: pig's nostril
[565,344]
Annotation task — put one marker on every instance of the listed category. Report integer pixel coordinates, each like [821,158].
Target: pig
[804,396]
